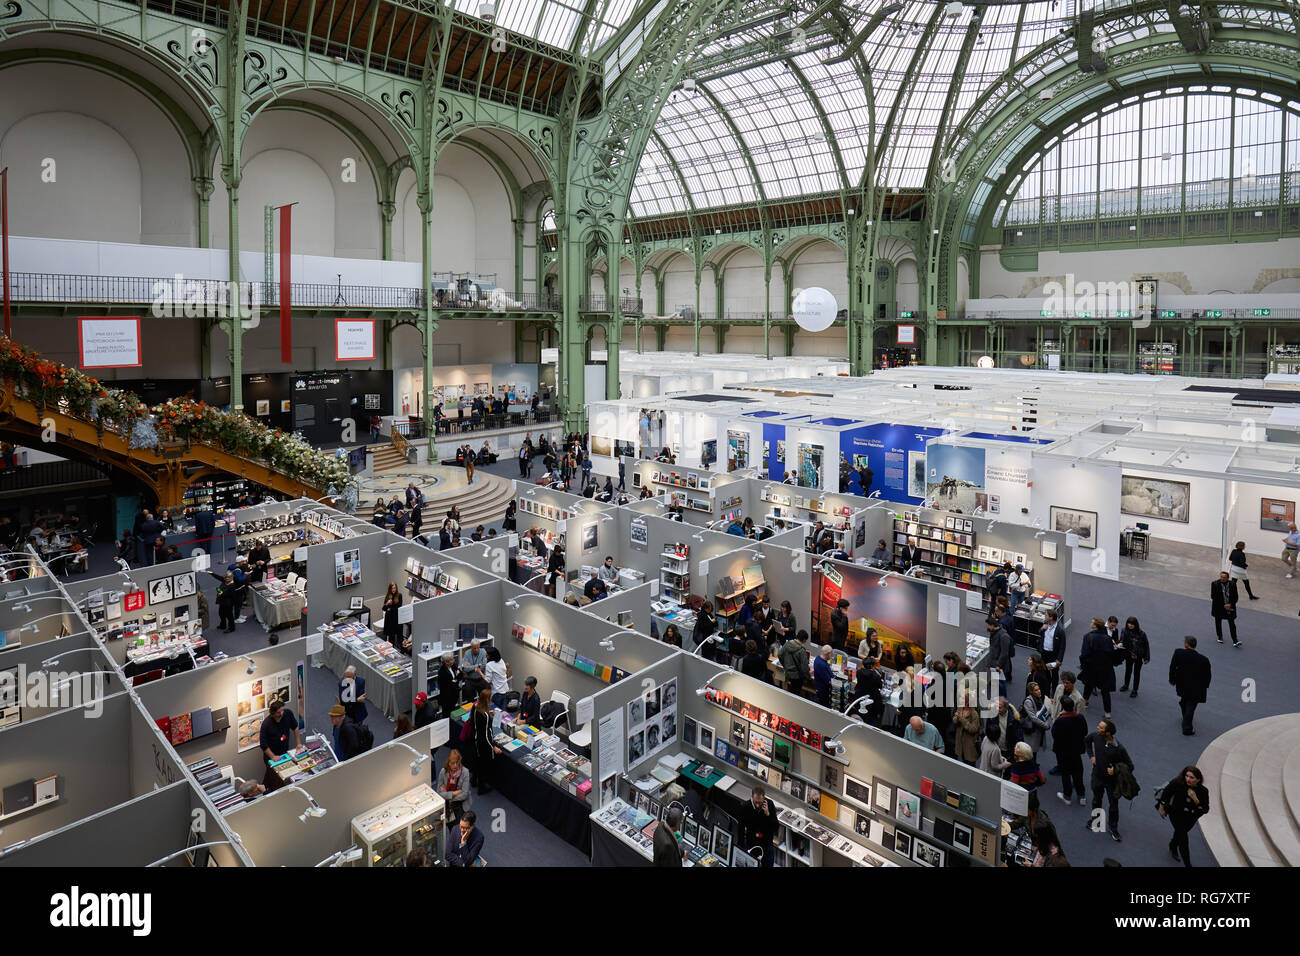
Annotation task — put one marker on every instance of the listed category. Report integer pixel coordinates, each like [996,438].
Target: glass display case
[388,832]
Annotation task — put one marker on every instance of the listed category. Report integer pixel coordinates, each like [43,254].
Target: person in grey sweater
[454,786]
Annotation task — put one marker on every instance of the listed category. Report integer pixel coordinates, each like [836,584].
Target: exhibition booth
[43,678]
[683,733]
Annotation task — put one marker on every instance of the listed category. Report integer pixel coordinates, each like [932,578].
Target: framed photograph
[721,844]
[831,773]
[160,590]
[927,854]
[690,831]
[883,795]
[1161,498]
[739,733]
[263,406]
[961,836]
[741,858]
[1083,523]
[760,744]
[47,788]
[908,809]
[1276,514]
[690,731]
[857,791]
[903,844]
[285,405]
[183,584]
[356,604]
[706,738]
[705,838]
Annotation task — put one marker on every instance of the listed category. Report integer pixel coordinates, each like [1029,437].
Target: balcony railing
[1162,315]
[627,305]
[211,297]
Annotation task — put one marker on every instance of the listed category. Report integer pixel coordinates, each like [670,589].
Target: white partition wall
[1072,491]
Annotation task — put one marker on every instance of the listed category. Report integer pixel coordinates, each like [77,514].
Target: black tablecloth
[609,850]
[555,808]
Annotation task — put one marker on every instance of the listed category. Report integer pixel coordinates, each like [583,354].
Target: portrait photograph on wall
[1082,523]
[896,611]
[602,445]
[1155,498]
[1276,515]
[954,476]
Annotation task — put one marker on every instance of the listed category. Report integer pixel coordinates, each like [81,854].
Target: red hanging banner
[4,232]
[286,305]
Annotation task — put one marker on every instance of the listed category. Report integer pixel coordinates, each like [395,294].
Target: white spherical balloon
[814,309]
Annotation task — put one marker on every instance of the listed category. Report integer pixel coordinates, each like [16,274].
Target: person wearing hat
[1018,586]
[280,732]
[240,571]
[347,742]
[423,711]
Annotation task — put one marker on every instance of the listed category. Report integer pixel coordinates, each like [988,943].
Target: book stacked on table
[219,788]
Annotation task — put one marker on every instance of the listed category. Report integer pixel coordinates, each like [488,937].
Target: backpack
[365,738]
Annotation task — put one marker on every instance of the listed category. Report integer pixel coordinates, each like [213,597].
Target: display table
[609,850]
[545,801]
[276,608]
[392,695]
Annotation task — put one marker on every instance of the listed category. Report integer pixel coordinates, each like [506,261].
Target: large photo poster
[896,611]
[652,722]
[810,465]
[1155,498]
[955,476]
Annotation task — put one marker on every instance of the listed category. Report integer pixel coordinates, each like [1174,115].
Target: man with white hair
[352,695]
[473,664]
[822,675]
[448,688]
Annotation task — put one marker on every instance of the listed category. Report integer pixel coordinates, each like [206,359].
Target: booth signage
[907,335]
[109,342]
[354,340]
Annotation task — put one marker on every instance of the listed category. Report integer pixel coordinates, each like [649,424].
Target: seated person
[590,588]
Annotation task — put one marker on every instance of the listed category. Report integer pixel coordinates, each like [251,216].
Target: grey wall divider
[215,685]
[79,653]
[90,757]
[274,836]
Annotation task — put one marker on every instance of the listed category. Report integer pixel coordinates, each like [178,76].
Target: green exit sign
[1046,313]
[905,315]
[1214,313]
[1123,314]
[1083,315]
[1261,313]
[1168,314]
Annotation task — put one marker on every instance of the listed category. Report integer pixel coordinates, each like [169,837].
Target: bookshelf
[946,554]
[730,597]
[675,573]
[806,511]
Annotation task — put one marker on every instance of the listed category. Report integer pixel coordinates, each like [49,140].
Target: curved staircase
[1253,775]
[483,503]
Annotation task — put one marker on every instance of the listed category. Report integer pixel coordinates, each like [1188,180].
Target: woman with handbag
[454,786]
[1034,717]
[1183,801]
[476,734]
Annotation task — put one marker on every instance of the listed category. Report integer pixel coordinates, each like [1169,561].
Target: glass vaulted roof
[798,125]
[557,21]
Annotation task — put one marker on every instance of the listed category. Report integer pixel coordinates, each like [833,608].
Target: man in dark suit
[1189,674]
[1001,647]
[758,820]
[205,522]
[1051,648]
[1223,605]
[465,842]
[667,851]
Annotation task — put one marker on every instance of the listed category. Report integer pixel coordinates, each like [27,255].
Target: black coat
[1179,805]
[1058,643]
[839,629]
[1095,661]
[1068,735]
[1136,643]
[1001,647]
[1189,673]
[666,848]
[1223,593]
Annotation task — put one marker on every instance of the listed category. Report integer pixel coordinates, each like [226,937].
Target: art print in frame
[907,809]
[706,738]
[927,854]
[160,590]
[1276,514]
[183,584]
[1082,523]
[1145,497]
[961,836]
